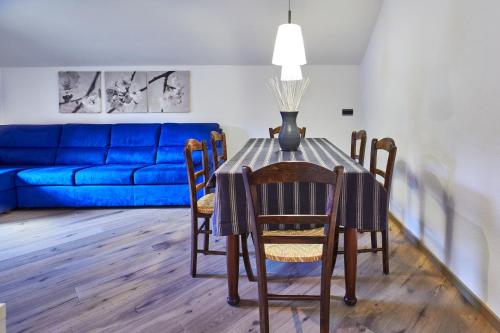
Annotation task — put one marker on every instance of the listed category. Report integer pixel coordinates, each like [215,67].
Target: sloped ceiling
[195,32]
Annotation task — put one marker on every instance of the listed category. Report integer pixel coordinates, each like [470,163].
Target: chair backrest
[193,145]
[290,172]
[273,131]
[361,137]
[389,146]
[218,140]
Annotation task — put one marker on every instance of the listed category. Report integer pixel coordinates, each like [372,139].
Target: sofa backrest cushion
[133,144]
[29,144]
[173,137]
[83,144]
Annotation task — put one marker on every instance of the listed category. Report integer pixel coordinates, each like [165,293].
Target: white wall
[234,96]
[430,79]
[1,96]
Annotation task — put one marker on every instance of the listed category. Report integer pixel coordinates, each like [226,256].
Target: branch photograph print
[126,92]
[169,91]
[79,92]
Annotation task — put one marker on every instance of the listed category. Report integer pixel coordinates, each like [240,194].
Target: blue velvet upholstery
[8,177]
[173,134]
[133,143]
[83,144]
[81,155]
[161,174]
[175,154]
[28,144]
[8,200]
[52,175]
[84,165]
[103,196]
[110,174]
[85,135]
[29,135]
[27,156]
[133,155]
[173,137]
[172,154]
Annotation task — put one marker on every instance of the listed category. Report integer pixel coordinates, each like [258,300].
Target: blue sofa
[89,165]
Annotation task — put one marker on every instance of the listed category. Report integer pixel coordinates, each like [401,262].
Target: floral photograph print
[169,91]
[126,92]
[79,92]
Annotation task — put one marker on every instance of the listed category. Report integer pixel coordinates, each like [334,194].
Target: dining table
[363,201]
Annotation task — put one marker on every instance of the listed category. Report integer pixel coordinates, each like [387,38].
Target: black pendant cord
[289,13]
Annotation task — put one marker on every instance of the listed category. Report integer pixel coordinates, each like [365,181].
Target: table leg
[350,262]
[233,269]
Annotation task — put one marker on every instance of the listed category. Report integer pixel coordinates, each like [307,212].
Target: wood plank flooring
[127,270]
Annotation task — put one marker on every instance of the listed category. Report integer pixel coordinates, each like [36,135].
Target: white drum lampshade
[291,73]
[289,46]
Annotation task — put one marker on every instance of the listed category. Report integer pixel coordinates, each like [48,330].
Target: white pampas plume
[288,94]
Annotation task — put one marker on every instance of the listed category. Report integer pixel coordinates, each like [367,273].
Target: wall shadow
[454,234]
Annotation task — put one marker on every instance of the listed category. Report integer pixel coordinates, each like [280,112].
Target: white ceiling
[194,32]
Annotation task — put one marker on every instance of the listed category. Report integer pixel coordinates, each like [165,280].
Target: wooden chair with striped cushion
[203,207]
[276,130]
[388,145]
[361,137]
[294,245]
[218,142]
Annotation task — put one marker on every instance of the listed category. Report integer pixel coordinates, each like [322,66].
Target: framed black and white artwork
[80,92]
[169,91]
[126,92]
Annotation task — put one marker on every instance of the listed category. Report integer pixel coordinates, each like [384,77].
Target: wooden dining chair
[203,207]
[388,145]
[218,141]
[294,245]
[273,131]
[361,137]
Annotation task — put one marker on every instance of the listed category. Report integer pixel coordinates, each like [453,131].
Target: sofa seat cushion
[161,174]
[8,177]
[54,175]
[110,174]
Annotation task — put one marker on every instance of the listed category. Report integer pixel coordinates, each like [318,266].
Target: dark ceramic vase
[289,137]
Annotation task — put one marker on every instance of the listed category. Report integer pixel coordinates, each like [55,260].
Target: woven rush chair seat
[294,252]
[206,204]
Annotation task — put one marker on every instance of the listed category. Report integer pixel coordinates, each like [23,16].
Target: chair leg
[246,258]
[374,241]
[335,247]
[206,240]
[194,243]
[385,250]
[324,317]
[262,286]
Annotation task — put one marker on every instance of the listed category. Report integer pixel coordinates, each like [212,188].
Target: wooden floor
[118,270]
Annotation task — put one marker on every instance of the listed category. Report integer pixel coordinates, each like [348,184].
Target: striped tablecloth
[363,202]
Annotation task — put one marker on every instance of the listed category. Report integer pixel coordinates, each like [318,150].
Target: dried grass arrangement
[288,94]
